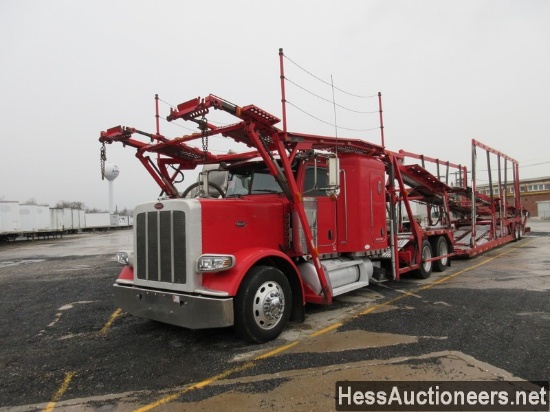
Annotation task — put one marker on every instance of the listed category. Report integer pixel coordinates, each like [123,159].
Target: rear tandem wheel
[425,269]
[440,247]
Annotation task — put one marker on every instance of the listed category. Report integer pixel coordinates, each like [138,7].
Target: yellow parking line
[110,322]
[62,389]
[283,348]
[199,385]
[277,350]
[327,329]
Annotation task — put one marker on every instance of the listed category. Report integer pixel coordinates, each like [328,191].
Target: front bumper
[188,311]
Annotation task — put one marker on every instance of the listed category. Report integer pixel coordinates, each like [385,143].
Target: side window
[309,181]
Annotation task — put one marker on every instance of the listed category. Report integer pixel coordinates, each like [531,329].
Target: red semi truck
[295,218]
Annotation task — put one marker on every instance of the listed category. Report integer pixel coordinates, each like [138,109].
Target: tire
[516,232]
[196,184]
[440,247]
[425,269]
[262,305]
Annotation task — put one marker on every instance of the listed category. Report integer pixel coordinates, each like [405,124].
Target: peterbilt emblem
[240,223]
[158,206]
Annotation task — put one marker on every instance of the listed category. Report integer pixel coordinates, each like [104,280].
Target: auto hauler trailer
[297,218]
[292,218]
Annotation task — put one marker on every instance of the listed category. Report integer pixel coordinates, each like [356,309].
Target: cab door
[314,186]
[377,208]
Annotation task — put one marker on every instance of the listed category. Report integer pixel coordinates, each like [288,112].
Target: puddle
[355,339]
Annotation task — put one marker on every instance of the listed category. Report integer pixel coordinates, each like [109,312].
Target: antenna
[334,106]
[381,119]
[283,95]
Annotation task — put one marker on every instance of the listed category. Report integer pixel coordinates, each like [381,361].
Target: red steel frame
[414,183]
[505,222]
[255,128]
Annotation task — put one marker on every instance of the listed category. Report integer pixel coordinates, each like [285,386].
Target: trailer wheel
[210,185]
[518,232]
[440,248]
[263,304]
[425,269]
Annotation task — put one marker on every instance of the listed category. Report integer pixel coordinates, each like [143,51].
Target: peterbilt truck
[294,219]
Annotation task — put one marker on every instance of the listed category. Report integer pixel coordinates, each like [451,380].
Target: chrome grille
[160,246]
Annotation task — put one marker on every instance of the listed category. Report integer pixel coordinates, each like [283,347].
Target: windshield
[244,182]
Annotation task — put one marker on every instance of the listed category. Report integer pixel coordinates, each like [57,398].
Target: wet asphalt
[55,310]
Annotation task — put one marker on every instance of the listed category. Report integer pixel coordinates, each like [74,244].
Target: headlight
[214,263]
[124,258]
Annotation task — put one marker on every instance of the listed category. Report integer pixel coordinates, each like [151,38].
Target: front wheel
[263,304]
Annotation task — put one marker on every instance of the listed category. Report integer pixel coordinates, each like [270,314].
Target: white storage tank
[9,216]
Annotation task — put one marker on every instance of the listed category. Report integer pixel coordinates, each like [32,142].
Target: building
[534,194]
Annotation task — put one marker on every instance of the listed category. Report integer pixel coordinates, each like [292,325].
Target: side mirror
[333,173]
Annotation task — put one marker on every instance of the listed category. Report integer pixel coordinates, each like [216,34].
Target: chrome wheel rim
[443,250]
[269,305]
[426,255]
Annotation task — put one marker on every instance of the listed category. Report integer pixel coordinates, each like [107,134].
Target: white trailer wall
[43,218]
[56,219]
[67,218]
[82,218]
[114,220]
[94,220]
[9,217]
[76,219]
[27,214]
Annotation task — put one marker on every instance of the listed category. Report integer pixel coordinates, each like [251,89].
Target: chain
[203,126]
[102,159]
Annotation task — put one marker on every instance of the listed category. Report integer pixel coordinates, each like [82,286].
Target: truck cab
[232,251]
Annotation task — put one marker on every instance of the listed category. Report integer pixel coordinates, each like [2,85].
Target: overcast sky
[449,71]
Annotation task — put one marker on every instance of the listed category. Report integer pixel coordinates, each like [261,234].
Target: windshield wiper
[265,191]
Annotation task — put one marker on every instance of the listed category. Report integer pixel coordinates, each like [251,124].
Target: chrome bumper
[188,311]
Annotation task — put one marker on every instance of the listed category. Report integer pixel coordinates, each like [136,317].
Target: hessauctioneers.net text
[442,396]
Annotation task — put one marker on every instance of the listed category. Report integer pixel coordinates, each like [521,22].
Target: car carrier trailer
[294,218]
[297,218]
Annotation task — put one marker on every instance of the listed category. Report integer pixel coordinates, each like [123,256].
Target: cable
[179,125]
[328,123]
[327,100]
[327,83]
[165,102]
